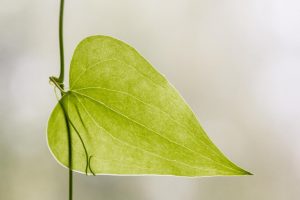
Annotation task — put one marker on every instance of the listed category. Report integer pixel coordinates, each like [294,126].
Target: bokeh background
[237,63]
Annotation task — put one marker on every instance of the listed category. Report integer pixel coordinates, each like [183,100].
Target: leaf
[124,117]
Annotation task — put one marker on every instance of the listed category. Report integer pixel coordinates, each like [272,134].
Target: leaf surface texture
[126,118]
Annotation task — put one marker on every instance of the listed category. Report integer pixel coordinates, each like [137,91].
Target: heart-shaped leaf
[123,117]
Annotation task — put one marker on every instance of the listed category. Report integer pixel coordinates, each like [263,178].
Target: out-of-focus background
[237,63]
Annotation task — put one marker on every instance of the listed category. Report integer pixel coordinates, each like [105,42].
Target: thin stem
[60,83]
[70,182]
[69,149]
[61,42]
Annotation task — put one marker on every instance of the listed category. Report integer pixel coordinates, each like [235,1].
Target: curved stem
[61,42]
[69,148]
[60,82]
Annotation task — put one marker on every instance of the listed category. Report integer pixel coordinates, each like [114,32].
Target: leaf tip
[243,172]
[248,173]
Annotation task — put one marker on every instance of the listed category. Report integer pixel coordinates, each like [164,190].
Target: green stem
[67,121]
[70,171]
[60,83]
[61,42]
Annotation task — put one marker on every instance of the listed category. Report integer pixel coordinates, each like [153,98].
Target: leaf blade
[131,118]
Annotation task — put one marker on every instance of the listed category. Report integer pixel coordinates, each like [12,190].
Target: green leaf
[124,117]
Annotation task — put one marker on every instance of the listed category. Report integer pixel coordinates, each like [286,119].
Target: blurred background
[237,63]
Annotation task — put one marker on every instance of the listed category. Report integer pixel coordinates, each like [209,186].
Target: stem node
[59,85]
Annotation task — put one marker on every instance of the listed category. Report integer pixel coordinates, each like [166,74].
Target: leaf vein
[155,107]
[132,146]
[113,59]
[171,141]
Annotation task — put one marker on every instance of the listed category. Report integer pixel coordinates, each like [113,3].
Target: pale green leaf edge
[242,172]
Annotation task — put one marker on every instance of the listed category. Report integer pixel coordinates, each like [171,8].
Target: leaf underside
[125,118]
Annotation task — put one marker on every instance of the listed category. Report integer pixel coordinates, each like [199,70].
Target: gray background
[237,63]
